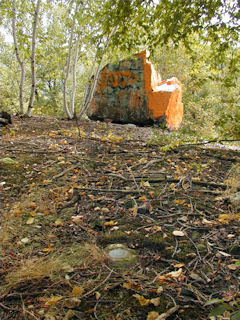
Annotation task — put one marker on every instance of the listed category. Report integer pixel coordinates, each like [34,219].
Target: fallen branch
[201,183]
[67,170]
[167,314]
[113,190]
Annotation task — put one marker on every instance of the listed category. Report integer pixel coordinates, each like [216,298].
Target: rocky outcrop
[132,92]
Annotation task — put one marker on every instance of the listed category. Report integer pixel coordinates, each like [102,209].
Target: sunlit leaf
[143,301]
[53,300]
[178,233]
[77,291]
[153,315]
[30,221]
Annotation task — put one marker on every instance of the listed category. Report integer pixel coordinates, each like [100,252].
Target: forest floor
[69,193]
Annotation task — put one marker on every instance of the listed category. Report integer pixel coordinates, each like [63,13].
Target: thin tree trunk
[19,58]
[88,86]
[73,110]
[89,98]
[65,103]
[36,15]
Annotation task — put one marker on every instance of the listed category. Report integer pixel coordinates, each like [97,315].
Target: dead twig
[98,286]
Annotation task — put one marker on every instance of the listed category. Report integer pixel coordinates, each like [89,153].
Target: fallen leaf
[98,295]
[143,198]
[159,290]
[77,291]
[134,211]
[175,274]
[33,213]
[25,240]
[30,221]
[180,201]
[110,223]
[233,267]
[58,223]
[47,181]
[224,254]
[145,184]
[153,315]
[132,285]
[178,233]
[72,303]
[224,218]
[179,265]
[143,301]
[53,300]
[69,315]
[18,212]
[156,301]
[105,210]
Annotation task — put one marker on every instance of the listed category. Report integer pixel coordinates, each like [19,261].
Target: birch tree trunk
[33,66]
[65,103]
[89,96]
[73,110]
[19,59]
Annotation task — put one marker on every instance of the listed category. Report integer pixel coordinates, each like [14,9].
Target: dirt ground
[69,191]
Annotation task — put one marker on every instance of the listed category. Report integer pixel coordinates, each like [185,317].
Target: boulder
[5,119]
[132,92]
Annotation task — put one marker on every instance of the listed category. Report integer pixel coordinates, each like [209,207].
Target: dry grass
[54,266]
[233,179]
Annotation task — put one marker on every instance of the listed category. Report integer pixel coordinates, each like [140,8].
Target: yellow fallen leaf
[132,285]
[172,186]
[53,300]
[159,290]
[155,301]
[179,265]
[110,223]
[31,205]
[145,184]
[224,218]
[59,223]
[175,274]
[47,181]
[18,212]
[153,315]
[98,295]
[178,233]
[143,198]
[180,201]
[49,248]
[30,221]
[77,291]
[143,301]
[33,213]
[83,134]
[134,211]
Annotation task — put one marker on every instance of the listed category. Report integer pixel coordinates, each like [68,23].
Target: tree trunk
[19,58]
[36,15]
[65,103]
[73,109]
[89,97]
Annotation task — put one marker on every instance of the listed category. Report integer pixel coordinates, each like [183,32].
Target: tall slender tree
[69,61]
[19,58]
[33,62]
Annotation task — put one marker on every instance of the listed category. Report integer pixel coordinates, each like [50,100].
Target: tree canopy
[207,30]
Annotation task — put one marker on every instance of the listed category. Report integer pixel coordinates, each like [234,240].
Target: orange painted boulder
[132,92]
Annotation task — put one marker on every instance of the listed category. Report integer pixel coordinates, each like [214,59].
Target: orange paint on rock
[117,78]
[162,103]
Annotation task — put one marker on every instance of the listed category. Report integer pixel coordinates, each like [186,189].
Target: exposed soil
[70,192]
